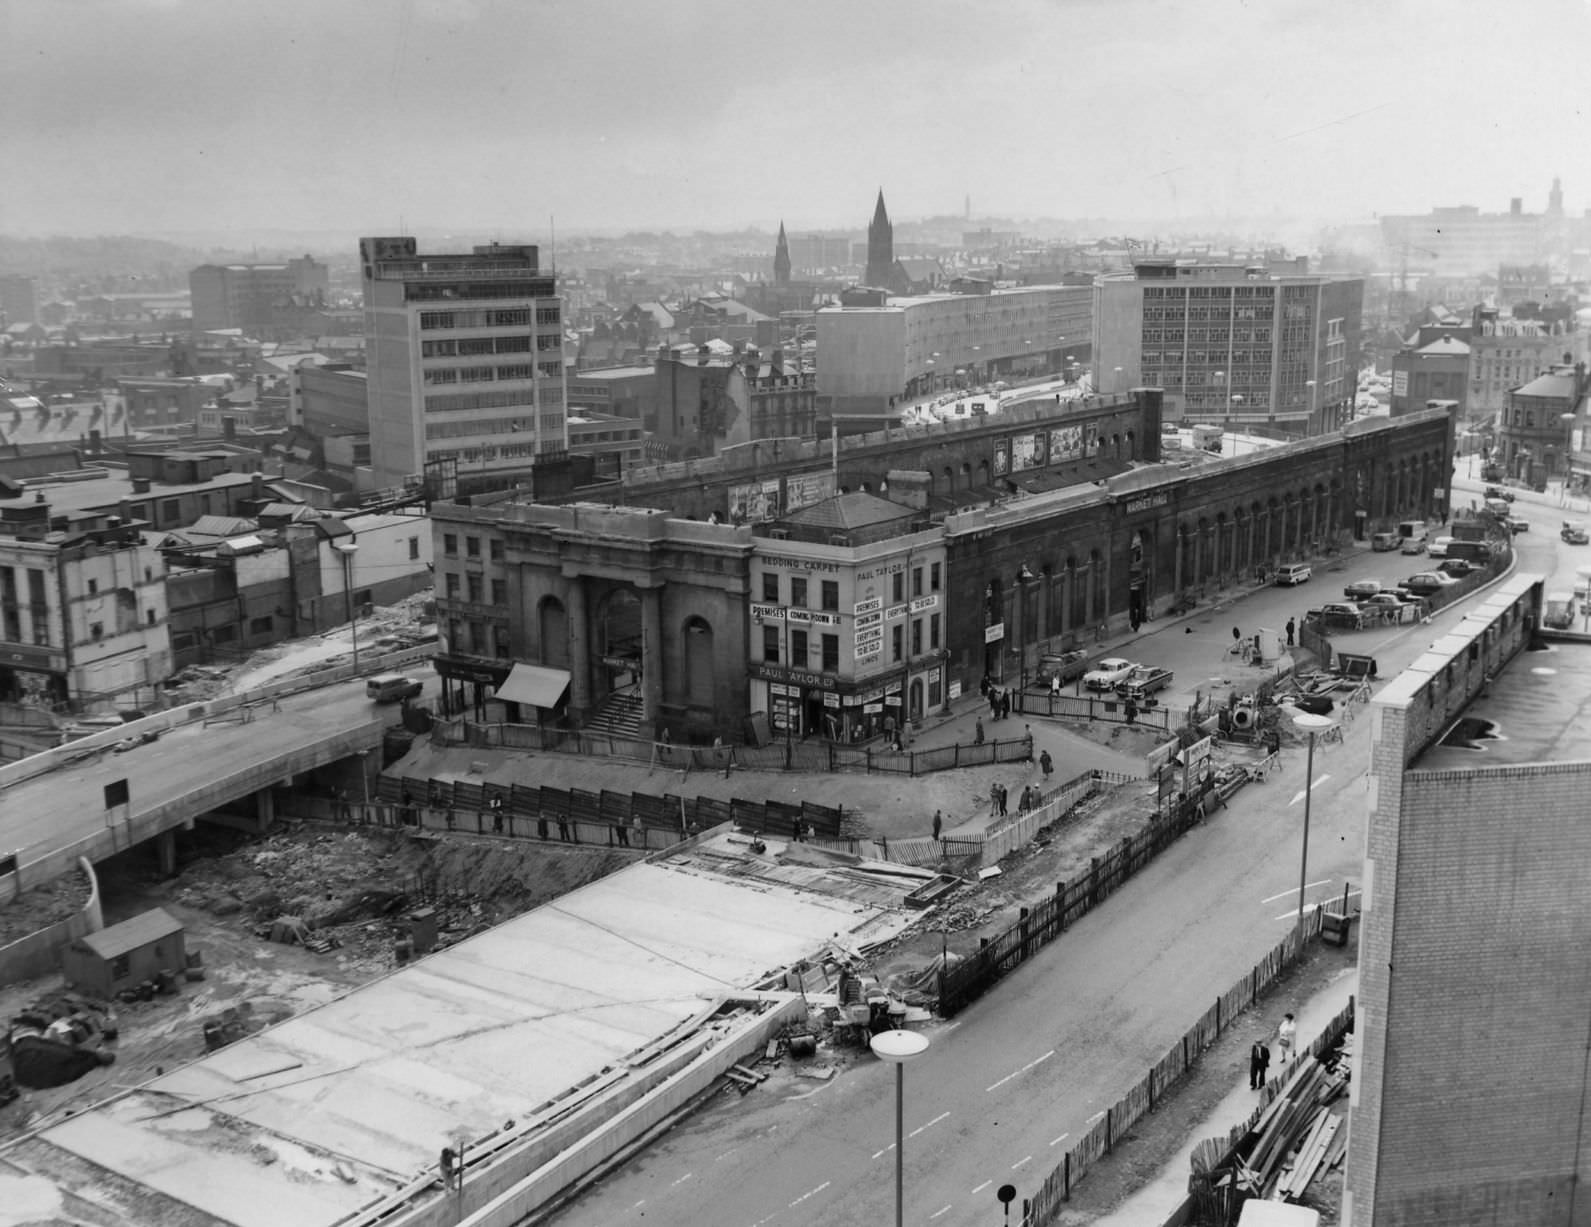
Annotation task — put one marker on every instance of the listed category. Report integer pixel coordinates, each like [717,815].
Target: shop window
[831,594]
[798,649]
[831,653]
[770,644]
[770,587]
[798,591]
[897,641]
[898,586]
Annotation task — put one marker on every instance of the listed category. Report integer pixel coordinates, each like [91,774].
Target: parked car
[1361,588]
[1518,526]
[1458,567]
[1426,582]
[1413,545]
[1292,574]
[1341,613]
[1143,682]
[1067,666]
[1383,543]
[1499,492]
[138,739]
[1383,601]
[1108,673]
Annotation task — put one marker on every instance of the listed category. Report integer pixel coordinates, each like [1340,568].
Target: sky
[407,116]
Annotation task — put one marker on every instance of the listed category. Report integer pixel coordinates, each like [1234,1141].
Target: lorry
[1207,438]
[1143,683]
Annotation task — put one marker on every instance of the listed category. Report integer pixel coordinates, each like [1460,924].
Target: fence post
[1218,1016]
[1093,882]
[1151,1088]
[868,750]
[1184,1052]
[1110,1129]
[1066,1178]
[1254,985]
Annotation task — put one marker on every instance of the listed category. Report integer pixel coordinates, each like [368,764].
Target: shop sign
[778,688]
[931,601]
[895,611]
[867,655]
[867,620]
[869,606]
[831,700]
[774,612]
[933,676]
[621,662]
[872,708]
[813,617]
[892,700]
[876,634]
[955,690]
[995,633]
[800,564]
[794,677]
[1148,502]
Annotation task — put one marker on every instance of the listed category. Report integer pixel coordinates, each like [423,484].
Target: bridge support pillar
[166,852]
[264,810]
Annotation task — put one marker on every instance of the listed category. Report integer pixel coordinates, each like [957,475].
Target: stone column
[1178,566]
[651,657]
[579,646]
[166,851]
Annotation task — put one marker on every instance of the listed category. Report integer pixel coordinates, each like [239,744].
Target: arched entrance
[619,641]
[914,699]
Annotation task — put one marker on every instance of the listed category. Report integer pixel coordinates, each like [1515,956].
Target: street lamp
[1568,457]
[348,549]
[898,1047]
[1314,725]
[1115,382]
[1314,388]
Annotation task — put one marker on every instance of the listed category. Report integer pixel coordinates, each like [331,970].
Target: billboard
[754,502]
[1066,443]
[1002,457]
[805,489]
[1027,452]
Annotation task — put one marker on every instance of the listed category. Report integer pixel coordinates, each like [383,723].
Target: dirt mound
[46,904]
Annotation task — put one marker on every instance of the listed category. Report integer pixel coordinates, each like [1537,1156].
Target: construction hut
[125,955]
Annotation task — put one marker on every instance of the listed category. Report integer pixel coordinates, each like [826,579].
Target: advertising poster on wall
[806,489]
[754,502]
[1002,458]
[1025,452]
[1066,443]
[1090,439]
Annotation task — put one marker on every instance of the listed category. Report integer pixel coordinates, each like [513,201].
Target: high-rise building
[258,298]
[1231,342]
[880,246]
[465,359]
[19,302]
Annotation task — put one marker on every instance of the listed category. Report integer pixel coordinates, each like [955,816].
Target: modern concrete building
[1470,1091]
[1231,342]
[871,357]
[465,360]
[261,299]
[1460,239]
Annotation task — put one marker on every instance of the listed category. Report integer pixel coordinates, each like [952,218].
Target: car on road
[1425,583]
[393,687]
[1499,492]
[1361,588]
[1438,547]
[1458,567]
[1292,574]
[1143,683]
[1383,543]
[1383,601]
[1518,526]
[138,739]
[1109,673]
[1573,533]
[1412,545]
[1067,666]
[1341,613]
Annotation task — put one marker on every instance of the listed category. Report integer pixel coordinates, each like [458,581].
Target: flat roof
[344,1106]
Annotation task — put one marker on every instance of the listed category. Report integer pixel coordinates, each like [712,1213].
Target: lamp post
[1222,375]
[1314,725]
[1115,382]
[898,1047]
[348,550]
[1314,389]
[1568,455]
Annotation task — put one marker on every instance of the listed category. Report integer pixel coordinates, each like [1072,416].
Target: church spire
[781,259]
[880,246]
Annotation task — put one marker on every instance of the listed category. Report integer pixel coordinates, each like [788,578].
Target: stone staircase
[619,715]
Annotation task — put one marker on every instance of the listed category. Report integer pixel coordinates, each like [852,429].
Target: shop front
[802,704]
[469,683]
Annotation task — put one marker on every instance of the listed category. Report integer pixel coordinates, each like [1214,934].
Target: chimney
[140,485]
[1516,206]
[703,354]
[229,429]
[776,360]
[258,482]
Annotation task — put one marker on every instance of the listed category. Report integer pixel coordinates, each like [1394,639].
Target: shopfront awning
[534,686]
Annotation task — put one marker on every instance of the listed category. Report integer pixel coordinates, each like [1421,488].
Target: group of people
[1259,1056]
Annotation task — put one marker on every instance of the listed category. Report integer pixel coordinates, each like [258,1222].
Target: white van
[1292,574]
[1438,547]
[391,687]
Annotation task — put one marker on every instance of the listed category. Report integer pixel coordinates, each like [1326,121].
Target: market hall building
[780,591]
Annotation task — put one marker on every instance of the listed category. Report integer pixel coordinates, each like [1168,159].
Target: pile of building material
[1294,1139]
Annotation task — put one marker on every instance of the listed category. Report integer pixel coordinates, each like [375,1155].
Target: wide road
[1003,1090]
[65,806]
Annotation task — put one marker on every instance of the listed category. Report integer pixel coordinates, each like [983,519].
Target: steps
[619,715]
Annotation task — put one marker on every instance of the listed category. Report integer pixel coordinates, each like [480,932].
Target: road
[65,806]
[1003,1089]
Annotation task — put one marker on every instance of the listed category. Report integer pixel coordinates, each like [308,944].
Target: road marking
[980,1188]
[818,1090]
[812,1193]
[1095,1117]
[1299,795]
[726,1154]
[681,1180]
[639,1204]
[937,1213]
[929,1125]
[1020,1162]
[1293,915]
[885,1151]
[1023,1070]
[1060,1139]
[1294,891]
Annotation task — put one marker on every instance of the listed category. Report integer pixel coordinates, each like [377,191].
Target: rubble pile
[41,905]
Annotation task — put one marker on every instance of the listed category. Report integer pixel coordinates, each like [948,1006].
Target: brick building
[1470,1081]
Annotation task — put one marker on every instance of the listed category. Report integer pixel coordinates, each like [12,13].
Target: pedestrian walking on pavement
[994,800]
[1046,764]
[1286,1037]
[939,823]
[1291,628]
[1055,685]
[1001,787]
[1256,1065]
[1005,704]
[1265,1064]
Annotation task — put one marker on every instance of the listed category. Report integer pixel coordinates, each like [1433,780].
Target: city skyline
[161,116]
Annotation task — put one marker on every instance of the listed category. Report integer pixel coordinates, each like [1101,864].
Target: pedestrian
[977,732]
[1132,711]
[563,828]
[635,826]
[344,810]
[1005,704]
[1055,685]
[1022,805]
[939,823]
[664,747]
[1002,789]
[1286,1036]
[450,1169]
[994,800]
[1265,1063]
[1046,764]
[1291,629]
[496,805]
[800,833]
[623,833]
[994,702]
[1237,638]
[1256,1065]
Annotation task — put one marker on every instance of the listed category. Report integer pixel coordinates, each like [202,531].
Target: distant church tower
[1555,199]
[880,247]
[781,259]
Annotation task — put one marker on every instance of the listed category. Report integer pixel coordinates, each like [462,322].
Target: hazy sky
[376,116]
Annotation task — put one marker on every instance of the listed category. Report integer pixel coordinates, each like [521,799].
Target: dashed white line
[1014,1073]
[1040,1061]
[811,1193]
[980,1188]
[1293,914]
[1095,1117]
[726,1154]
[929,1125]
[1002,1082]
[1299,795]
[885,1151]
[1286,893]
[1062,1138]
[639,1204]
[938,1212]
[681,1180]
[1020,1162]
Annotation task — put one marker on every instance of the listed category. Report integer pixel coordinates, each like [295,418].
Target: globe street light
[348,549]
[1314,725]
[897,1047]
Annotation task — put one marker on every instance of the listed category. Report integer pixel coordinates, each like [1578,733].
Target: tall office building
[257,298]
[465,359]
[19,302]
[1229,342]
